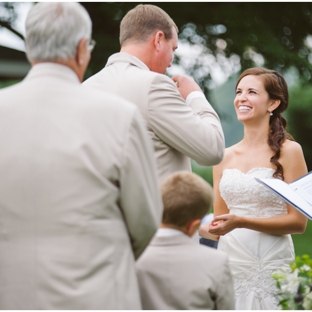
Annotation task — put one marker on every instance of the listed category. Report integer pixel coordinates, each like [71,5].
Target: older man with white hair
[79,199]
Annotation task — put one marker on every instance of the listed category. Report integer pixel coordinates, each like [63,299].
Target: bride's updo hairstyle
[275,85]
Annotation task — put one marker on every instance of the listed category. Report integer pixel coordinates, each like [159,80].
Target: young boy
[175,271]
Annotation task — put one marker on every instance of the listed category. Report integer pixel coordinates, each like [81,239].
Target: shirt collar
[161,232]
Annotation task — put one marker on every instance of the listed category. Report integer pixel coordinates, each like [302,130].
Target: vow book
[297,193]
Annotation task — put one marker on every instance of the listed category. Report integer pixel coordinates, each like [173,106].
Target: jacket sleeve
[140,194]
[225,290]
[194,130]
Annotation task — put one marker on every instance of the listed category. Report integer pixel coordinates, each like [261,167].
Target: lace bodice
[244,195]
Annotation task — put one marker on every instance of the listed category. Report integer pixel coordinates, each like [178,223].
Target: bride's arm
[292,223]
[219,205]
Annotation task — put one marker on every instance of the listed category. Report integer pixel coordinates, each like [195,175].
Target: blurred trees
[274,35]
[299,117]
[8,17]
[228,37]
[235,35]
[222,37]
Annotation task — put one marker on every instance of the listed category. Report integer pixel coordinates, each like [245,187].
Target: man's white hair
[53,30]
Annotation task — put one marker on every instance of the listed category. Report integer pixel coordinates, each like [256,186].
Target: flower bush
[295,284]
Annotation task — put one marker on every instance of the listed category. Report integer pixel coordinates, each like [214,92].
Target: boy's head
[186,197]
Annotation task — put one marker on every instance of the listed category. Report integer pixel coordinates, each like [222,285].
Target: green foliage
[302,242]
[247,29]
[8,83]
[295,284]
[204,172]
[237,34]
[299,116]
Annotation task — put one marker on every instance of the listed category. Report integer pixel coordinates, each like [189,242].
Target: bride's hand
[224,224]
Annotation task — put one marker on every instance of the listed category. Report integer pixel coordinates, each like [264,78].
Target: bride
[253,223]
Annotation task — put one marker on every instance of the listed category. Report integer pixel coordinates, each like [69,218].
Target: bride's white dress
[254,255]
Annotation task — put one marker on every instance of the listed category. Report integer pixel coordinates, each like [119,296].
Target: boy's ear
[192,227]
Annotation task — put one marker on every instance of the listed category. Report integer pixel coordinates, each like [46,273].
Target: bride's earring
[271,114]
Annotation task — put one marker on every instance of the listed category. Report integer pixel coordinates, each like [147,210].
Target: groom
[178,118]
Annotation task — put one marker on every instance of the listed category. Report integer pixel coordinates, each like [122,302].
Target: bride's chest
[242,191]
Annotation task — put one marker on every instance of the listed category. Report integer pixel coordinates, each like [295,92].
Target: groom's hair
[186,197]
[143,21]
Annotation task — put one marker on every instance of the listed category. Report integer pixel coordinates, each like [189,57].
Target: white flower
[295,284]
[307,302]
[305,268]
[290,285]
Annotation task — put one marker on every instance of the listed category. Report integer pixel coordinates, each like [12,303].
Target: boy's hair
[186,197]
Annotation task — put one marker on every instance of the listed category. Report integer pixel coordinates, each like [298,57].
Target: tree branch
[8,26]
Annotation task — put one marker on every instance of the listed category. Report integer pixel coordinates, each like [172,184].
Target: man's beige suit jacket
[176,273]
[78,195]
[178,131]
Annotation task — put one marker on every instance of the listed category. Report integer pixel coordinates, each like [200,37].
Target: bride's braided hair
[276,86]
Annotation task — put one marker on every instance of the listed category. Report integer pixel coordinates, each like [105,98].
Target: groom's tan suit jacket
[178,131]
[78,195]
[176,273]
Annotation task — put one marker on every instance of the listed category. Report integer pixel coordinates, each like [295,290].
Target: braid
[277,137]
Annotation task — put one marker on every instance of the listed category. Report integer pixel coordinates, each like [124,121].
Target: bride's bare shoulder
[291,149]
[232,150]
[228,156]
[292,160]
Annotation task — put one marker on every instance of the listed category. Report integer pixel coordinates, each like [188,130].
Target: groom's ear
[192,227]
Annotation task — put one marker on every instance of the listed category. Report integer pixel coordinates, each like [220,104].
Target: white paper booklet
[297,193]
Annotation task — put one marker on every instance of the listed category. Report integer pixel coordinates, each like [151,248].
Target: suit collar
[123,57]
[50,70]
